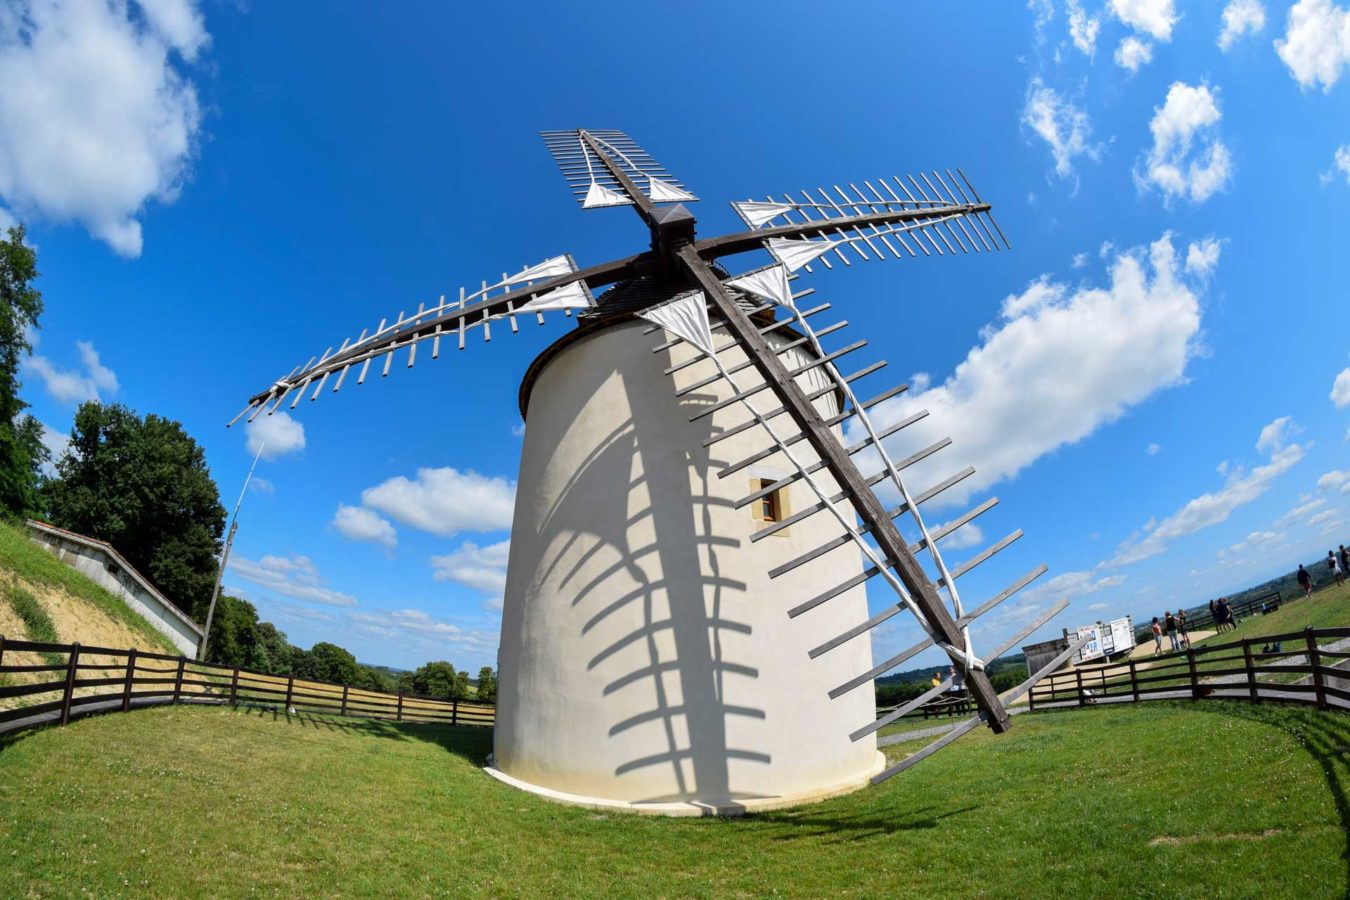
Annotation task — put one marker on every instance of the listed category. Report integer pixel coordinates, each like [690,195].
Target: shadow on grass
[1324,735]
[856,827]
[473,743]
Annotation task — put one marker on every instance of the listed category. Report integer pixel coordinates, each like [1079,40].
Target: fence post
[290,690]
[1315,660]
[234,687]
[399,714]
[1082,701]
[454,712]
[2,649]
[178,679]
[131,676]
[1251,669]
[1134,682]
[343,711]
[72,660]
[1190,665]
[1031,700]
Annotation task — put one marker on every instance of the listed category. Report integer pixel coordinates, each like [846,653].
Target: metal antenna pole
[225,556]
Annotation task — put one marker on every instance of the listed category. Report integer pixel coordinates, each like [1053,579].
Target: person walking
[1171,628]
[1181,627]
[1304,580]
[1334,565]
[1345,561]
[1157,637]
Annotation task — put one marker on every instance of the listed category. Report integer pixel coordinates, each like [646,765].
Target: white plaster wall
[94,564]
[646,656]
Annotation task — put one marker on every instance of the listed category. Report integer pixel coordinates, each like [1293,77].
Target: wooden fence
[1304,669]
[100,679]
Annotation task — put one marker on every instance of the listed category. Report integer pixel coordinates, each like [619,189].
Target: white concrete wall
[646,656]
[115,576]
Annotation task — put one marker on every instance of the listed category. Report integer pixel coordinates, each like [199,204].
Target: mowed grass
[1328,608]
[1201,800]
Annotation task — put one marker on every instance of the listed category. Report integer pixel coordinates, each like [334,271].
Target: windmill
[685,617]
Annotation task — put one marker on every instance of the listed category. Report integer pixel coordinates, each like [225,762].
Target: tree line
[141,483]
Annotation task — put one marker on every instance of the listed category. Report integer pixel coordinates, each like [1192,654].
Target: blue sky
[1155,381]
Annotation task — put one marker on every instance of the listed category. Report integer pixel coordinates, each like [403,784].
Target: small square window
[772,506]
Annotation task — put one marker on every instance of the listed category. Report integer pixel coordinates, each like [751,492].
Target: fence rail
[1305,666]
[73,680]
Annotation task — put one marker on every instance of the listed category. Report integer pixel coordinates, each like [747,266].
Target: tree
[328,662]
[234,634]
[487,685]
[21,449]
[435,679]
[142,485]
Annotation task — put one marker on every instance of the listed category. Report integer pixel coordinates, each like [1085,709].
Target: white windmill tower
[685,616]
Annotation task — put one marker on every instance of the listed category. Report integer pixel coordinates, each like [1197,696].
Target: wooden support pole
[1248,665]
[840,465]
[398,716]
[1190,666]
[178,679]
[1134,681]
[1315,660]
[290,691]
[72,661]
[127,682]
[2,649]
[343,711]
[454,712]
[1082,699]
[234,687]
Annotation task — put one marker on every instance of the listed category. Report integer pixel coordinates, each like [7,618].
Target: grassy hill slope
[73,607]
[1206,800]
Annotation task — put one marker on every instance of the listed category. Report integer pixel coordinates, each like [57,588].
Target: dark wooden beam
[865,503]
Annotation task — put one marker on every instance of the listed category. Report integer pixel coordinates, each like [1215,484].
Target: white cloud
[96,116]
[361,524]
[1083,29]
[1340,163]
[425,631]
[275,435]
[1340,389]
[1079,260]
[260,485]
[1153,17]
[1202,257]
[1057,366]
[290,576]
[1276,435]
[1074,584]
[445,501]
[1187,158]
[1132,53]
[1240,488]
[1241,17]
[1252,541]
[481,568]
[1316,42]
[90,382]
[1153,449]
[1043,11]
[1335,480]
[1325,515]
[1307,503]
[968,535]
[7,221]
[1063,126]
[57,443]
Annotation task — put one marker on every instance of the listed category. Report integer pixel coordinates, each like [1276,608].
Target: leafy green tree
[374,680]
[435,679]
[487,685]
[459,688]
[234,634]
[21,450]
[142,485]
[328,662]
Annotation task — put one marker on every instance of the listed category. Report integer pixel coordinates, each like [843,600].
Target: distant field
[1200,800]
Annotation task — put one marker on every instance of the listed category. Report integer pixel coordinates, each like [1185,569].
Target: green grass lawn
[1201,800]
[1328,608]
